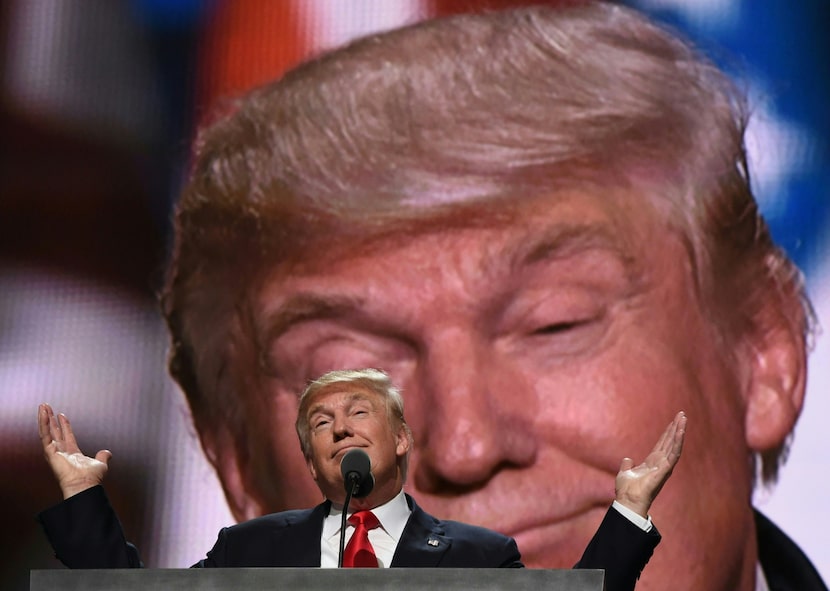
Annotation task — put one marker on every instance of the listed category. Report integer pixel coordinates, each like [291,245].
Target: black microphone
[356,468]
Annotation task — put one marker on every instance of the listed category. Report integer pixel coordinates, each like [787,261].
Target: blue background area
[782,50]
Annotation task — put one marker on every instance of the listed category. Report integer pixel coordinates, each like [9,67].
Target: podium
[316,579]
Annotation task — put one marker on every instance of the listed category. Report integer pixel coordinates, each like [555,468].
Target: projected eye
[561,327]
[562,338]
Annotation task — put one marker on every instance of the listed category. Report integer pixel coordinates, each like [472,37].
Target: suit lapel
[785,566]
[423,543]
[298,543]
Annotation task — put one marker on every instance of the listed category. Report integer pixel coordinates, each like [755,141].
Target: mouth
[551,526]
[544,520]
[340,452]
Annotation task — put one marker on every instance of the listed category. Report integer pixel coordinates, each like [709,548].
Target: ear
[777,358]
[404,440]
[220,449]
[310,463]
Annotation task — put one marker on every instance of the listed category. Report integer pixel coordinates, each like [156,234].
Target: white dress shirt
[384,539]
[760,579]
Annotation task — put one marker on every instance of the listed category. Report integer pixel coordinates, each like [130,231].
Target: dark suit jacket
[785,565]
[85,533]
[426,542]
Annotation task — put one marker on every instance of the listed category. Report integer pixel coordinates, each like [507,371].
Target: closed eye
[319,424]
[560,327]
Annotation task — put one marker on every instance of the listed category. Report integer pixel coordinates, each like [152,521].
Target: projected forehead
[363,311]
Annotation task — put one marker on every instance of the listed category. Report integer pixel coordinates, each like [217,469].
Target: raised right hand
[74,471]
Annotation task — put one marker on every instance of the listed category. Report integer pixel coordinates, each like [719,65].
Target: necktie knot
[365,519]
[359,551]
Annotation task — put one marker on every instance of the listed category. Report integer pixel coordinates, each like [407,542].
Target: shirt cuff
[642,522]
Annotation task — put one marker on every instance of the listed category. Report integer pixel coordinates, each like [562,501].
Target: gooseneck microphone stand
[351,487]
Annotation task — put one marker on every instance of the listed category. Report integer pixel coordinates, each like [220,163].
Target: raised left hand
[637,486]
[74,471]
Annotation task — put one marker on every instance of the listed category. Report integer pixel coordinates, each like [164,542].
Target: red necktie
[359,552]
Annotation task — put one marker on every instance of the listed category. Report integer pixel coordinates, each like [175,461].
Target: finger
[672,431]
[679,436]
[104,456]
[678,425]
[626,464]
[658,452]
[676,444]
[68,435]
[43,412]
[55,430]
[663,444]
[669,438]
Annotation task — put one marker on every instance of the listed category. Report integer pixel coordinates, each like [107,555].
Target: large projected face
[532,357]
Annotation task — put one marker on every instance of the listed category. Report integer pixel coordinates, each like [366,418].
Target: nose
[341,427]
[474,417]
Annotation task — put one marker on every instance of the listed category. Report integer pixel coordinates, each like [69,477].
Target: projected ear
[220,449]
[776,357]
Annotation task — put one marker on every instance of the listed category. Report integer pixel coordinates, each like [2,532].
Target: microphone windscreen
[355,461]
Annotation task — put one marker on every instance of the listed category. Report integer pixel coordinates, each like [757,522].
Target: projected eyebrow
[557,242]
[303,307]
[565,241]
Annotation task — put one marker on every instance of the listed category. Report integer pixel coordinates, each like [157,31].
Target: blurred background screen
[98,103]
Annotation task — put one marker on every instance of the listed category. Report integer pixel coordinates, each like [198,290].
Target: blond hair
[373,380]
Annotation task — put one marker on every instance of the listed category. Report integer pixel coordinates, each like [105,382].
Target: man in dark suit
[339,412]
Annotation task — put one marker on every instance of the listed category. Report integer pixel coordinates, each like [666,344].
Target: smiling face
[532,358]
[346,416]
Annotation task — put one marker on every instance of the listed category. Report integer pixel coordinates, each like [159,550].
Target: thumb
[626,464]
[103,456]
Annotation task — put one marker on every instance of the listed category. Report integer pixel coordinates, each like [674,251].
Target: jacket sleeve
[84,532]
[622,549]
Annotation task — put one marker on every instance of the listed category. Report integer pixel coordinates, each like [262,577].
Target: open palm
[74,471]
[637,486]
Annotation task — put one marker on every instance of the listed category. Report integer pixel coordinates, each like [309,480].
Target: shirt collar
[760,579]
[392,515]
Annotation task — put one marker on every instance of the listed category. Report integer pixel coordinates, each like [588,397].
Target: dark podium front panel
[317,579]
